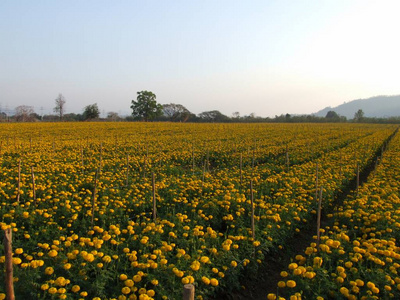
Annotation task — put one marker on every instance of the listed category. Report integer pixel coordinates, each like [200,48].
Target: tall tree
[146,106]
[359,115]
[24,113]
[60,105]
[91,112]
[176,112]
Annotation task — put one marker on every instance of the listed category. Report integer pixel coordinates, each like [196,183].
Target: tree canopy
[359,115]
[176,112]
[146,106]
[91,112]
[60,105]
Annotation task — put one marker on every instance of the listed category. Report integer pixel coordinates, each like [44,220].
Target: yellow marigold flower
[44,287]
[49,270]
[154,282]
[52,253]
[52,290]
[151,293]
[83,294]
[271,296]
[205,280]
[214,282]
[123,277]
[16,260]
[19,251]
[137,278]
[129,283]
[75,288]
[185,280]
[125,290]
[291,283]
[317,261]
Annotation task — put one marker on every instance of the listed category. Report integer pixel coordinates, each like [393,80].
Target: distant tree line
[145,108]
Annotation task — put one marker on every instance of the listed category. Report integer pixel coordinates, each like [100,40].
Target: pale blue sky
[266,57]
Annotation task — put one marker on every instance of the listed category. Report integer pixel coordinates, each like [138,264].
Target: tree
[359,116]
[113,116]
[24,113]
[213,116]
[60,105]
[236,115]
[176,112]
[146,106]
[332,115]
[91,112]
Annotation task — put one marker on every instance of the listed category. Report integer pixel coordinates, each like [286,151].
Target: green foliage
[146,106]
[91,112]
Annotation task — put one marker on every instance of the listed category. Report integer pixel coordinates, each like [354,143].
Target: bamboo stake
[188,292]
[127,169]
[358,177]
[154,198]
[287,158]
[33,184]
[319,217]
[94,194]
[204,171]
[9,266]
[316,182]
[241,169]
[253,159]
[101,155]
[83,164]
[192,159]
[144,166]
[208,160]
[252,210]
[19,180]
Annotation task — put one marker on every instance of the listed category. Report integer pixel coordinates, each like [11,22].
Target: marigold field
[79,199]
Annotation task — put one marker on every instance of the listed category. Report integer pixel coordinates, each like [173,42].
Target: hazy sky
[266,57]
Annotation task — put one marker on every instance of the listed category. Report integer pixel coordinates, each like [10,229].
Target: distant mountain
[377,107]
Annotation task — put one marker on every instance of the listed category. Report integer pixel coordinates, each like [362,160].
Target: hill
[375,107]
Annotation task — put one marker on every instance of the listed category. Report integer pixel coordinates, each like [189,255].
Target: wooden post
[241,169]
[144,166]
[33,184]
[208,160]
[19,180]
[154,198]
[319,217]
[253,159]
[94,194]
[287,158]
[127,169]
[188,292]
[252,210]
[358,177]
[82,157]
[101,155]
[192,159]
[9,265]
[316,183]
[204,171]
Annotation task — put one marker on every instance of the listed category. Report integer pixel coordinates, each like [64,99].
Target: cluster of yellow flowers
[81,208]
[358,257]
